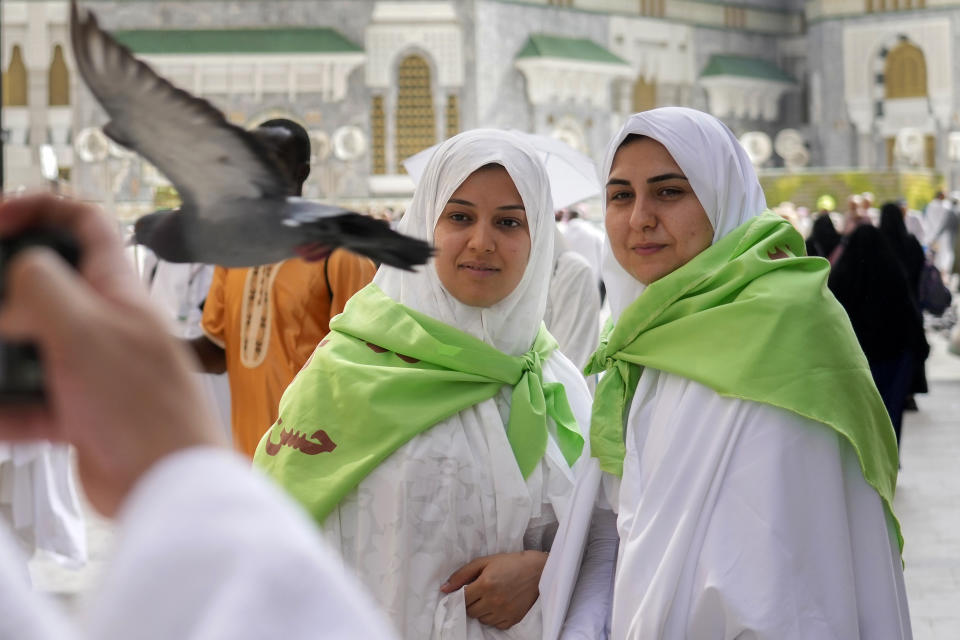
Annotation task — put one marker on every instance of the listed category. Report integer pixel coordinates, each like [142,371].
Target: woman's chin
[481,300]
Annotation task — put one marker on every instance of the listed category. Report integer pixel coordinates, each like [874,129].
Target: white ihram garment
[206,550]
[738,520]
[39,499]
[587,240]
[454,493]
[573,306]
[180,290]
[765,530]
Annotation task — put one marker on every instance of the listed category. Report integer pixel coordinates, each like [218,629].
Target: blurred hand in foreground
[118,387]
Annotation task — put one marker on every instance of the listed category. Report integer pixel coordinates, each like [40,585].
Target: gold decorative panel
[416,124]
[873,6]
[15,81]
[905,72]
[644,95]
[453,116]
[653,8]
[58,86]
[378,134]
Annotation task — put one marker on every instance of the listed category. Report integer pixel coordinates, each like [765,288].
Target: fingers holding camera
[117,385]
[102,262]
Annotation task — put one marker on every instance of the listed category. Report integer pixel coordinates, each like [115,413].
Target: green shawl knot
[750,317]
[386,373]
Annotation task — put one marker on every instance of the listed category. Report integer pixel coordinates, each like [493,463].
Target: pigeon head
[289,145]
[162,233]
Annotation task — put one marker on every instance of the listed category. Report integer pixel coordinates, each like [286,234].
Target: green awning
[724,65]
[541,45]
[213,41]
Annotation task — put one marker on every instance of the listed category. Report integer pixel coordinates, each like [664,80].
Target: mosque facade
[852,84]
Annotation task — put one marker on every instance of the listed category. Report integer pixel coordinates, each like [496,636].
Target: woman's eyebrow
[465,203]
[620,181]
[667,176]
[511,207]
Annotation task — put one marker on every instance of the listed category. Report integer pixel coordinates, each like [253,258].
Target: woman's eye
[458,217]
[510,222]
[670,192]
[620,195]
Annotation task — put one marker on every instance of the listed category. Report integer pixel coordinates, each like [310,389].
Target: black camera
[21,370]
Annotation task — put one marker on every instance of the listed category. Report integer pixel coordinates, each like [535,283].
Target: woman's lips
[646,249]
[479,270]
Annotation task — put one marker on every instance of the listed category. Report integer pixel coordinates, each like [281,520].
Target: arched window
[644,95]
[905,72]
[58,86]
[15,81]
[416,128]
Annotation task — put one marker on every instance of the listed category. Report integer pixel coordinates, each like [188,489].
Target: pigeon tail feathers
[162,232]
[376,240]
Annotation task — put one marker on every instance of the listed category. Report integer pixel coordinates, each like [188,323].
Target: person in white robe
[737,519]
[573,305]
[180,289]
[586,239]
[451,504]
[206,549]
[40,502]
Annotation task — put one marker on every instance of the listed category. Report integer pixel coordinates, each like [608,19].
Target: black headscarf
[823,238]
[872,287]
[904,246]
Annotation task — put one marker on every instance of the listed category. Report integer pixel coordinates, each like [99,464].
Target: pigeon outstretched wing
[205,157]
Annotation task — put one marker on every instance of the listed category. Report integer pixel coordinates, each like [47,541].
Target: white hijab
[510,325]
[719,171]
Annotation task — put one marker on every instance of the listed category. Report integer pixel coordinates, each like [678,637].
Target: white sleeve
[588,617]
[208,549]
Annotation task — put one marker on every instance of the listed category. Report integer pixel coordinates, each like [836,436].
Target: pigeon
[236,211]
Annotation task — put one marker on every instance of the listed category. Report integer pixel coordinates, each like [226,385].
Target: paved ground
[928,501]
[928,504]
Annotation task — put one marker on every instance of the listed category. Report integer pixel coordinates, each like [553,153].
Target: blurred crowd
[890,265]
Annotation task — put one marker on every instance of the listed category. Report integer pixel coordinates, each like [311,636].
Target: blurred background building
[816,89]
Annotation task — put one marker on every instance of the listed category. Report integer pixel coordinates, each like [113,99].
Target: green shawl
[386,373]
[750,317]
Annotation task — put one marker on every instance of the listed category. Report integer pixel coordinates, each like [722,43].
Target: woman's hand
[500,589]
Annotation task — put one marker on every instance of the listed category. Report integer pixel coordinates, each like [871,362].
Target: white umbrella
[573,176]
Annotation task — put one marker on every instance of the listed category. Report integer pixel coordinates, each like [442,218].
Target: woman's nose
[643,216]
[481,239]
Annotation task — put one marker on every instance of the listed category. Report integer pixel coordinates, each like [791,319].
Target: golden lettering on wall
[929,151]
[58,80]
[905,72]
[378,135]
[15,81]
[416,124]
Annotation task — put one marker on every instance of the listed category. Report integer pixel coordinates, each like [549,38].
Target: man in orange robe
[262,323]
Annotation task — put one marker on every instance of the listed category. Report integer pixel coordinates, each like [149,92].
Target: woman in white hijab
[448,525]
[757,464]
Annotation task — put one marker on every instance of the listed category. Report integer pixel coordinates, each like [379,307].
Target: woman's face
[654,219]
[482,239]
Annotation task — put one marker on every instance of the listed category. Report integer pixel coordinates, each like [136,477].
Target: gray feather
[235,207]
